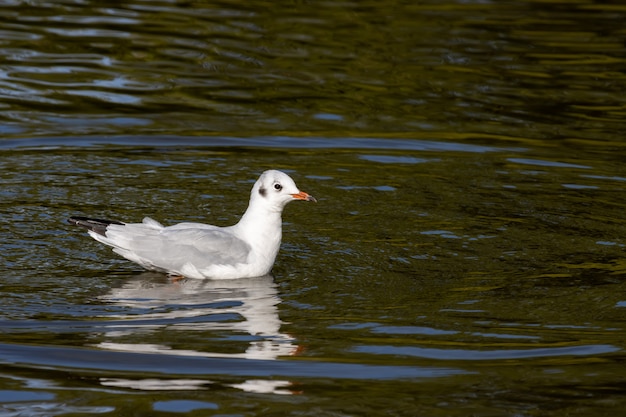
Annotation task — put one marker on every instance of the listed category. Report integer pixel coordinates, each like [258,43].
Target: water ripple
[486,355]
[171,365]
[284,142]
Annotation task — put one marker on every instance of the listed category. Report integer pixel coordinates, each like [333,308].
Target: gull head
[274,189]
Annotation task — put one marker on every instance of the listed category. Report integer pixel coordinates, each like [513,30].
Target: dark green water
[466,256]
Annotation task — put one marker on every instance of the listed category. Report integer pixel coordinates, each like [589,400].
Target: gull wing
[176,247]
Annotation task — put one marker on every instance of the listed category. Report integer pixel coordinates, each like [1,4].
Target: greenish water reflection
[429,280]
[527,69]
[466,255]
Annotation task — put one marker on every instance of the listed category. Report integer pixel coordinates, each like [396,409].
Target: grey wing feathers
[170,248]
[214,246]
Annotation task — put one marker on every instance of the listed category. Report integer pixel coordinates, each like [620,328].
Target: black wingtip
[96,225]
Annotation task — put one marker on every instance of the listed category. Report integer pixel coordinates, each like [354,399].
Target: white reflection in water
[155,303]
[193,305]
[259,386]
[155,384]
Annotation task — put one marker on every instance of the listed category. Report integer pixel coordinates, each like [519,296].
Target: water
[466,255]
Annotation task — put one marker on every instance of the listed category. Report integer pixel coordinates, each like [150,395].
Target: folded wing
[177,248]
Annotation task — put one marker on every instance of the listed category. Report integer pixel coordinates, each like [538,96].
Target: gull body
[197,250]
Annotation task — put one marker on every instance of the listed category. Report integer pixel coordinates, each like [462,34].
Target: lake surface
[466,255]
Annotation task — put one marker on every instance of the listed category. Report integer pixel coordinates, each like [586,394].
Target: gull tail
[98,226]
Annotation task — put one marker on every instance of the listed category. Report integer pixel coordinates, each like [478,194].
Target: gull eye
[278,187]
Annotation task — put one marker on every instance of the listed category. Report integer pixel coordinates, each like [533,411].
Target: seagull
[196,250]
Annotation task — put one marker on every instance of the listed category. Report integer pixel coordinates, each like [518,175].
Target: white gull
[197,250]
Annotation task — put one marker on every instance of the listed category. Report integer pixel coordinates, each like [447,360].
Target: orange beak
[304,196]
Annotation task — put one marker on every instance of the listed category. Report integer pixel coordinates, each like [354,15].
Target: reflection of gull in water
[154,384]
[152,303]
